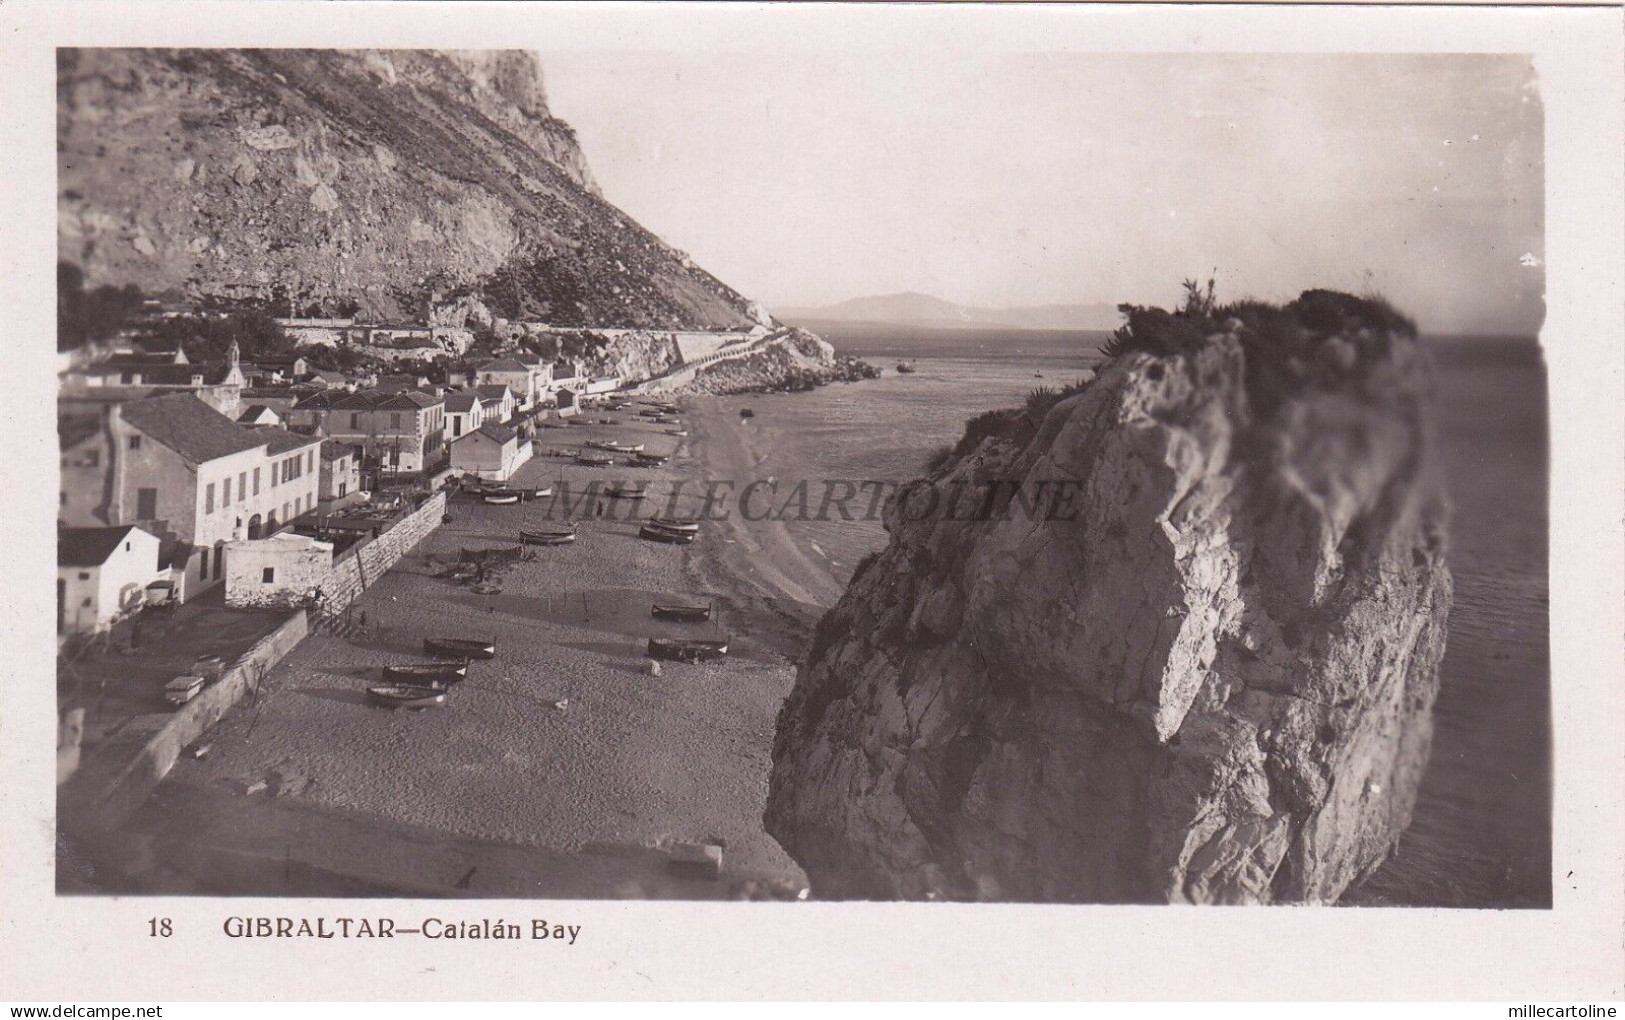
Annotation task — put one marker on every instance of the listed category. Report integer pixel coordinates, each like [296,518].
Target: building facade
[102,575]
[492,452]
[191,476]
[399,433]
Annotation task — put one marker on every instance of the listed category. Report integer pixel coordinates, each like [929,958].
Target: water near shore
[1482,831]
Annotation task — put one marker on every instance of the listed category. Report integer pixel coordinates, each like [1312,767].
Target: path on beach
[758,556]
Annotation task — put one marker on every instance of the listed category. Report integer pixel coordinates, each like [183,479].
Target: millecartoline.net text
[828,499]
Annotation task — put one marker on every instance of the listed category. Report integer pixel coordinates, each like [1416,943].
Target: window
[242,486]
[64,498]
[146,504]
[268,575]
[203,567]
[273,476]
[208,499]
[341,488]
[225,492]
[86,602]
[355,421]
[84,575]
[126,547]
[256,481]
[310,461]
[135,442]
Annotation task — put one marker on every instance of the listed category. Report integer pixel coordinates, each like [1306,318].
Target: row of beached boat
[426,684]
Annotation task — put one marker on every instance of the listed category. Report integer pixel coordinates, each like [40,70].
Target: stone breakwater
[1212,684]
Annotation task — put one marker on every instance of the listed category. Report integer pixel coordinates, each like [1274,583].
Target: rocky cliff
[403,184]
[1171,637]
[799,360]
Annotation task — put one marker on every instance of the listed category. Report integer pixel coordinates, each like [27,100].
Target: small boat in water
[563,536]
[408,696]
[505,497]
[460,648]
[681,614]
[626,491]
[668,420]
[653,458]
[655,533]
[688,649]
[427,673]
[676,524]
[677,432]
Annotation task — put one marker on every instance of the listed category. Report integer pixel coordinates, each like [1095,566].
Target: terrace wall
[363,564]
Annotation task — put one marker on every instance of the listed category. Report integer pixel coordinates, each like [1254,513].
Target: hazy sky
[1015,179]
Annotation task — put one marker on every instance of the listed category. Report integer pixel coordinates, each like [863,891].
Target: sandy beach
[561,768]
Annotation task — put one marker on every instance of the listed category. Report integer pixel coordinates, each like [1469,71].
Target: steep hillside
[389,182]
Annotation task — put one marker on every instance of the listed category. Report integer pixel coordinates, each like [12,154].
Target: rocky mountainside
[402,184]
[1172,637]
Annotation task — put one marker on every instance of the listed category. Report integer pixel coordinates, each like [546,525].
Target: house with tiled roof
[258,414]
[192,476]
[465,412]
[524,373]
[102,574]
[498,400]
[400,433]
[492,452]
[129,375]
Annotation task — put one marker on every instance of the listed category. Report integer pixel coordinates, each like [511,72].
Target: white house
[280,572]
[101,573]
[492,452]
[465,412]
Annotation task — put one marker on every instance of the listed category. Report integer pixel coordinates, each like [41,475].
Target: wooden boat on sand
[688,649]
[460,648]
[594,459]
[676,524]
[681,614]
[426,673]
[561,536]
[407,696]
[655,533]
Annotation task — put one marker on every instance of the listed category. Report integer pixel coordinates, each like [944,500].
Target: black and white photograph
[567,470]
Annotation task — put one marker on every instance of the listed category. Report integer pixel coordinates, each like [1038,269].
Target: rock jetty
[1172,637]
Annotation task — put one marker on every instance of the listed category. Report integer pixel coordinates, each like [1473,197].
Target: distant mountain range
[925,310]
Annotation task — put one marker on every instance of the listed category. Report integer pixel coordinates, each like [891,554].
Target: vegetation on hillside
[205,339]
[84,316]
[1323,339]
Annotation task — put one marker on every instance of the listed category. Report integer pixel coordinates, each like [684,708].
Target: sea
[1481,833]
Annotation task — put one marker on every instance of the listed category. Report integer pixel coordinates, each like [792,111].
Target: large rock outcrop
[397,183]
[1193,661]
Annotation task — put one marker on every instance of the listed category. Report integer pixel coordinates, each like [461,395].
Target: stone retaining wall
[363,564]
[123,790]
